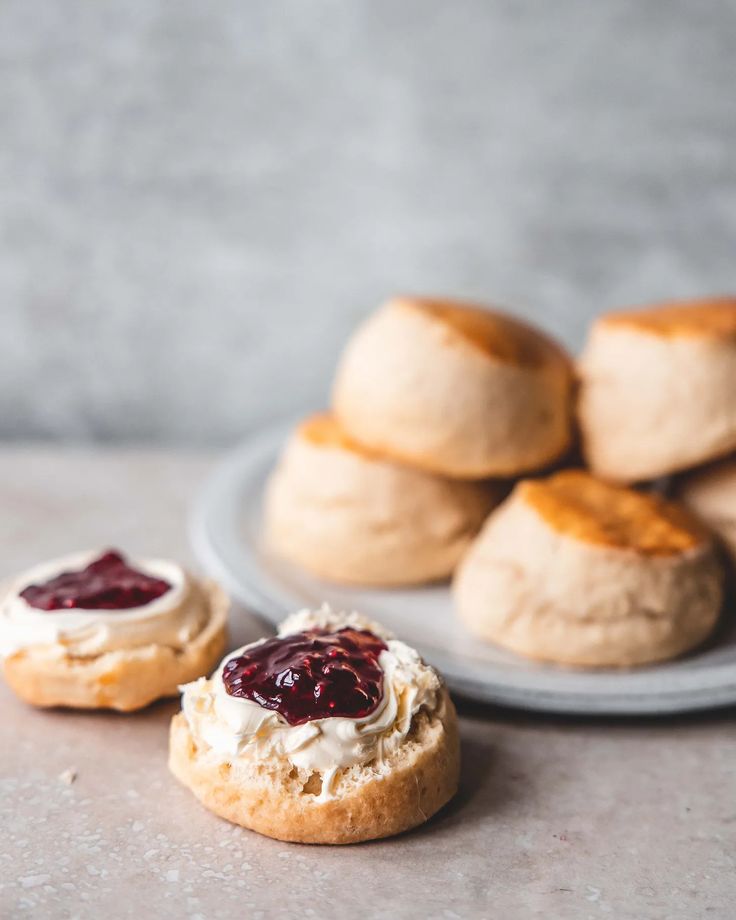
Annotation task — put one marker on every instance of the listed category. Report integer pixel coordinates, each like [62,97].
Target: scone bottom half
[96,630]
[332,732]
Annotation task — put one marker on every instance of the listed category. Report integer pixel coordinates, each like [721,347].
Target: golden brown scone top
[713,317]
[323,430]
[503,337]
[577,504]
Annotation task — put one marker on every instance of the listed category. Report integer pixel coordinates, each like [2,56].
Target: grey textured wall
[199,199]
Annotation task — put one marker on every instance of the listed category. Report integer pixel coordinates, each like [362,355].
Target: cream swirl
[235,727]
[172,619]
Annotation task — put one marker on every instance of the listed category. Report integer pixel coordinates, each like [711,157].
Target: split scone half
[347,514]
[332,732]
[657,389]
[572,570]
[96,631]
[455,389]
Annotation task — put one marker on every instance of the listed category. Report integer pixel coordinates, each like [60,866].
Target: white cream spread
[233,727]
[172,619]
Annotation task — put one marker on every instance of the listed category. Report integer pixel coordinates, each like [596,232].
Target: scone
[346,514]
[455,389]
[710,493]
[572,570]
[332,732]
[657,389]
[95,631]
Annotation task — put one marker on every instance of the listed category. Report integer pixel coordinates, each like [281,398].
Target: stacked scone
[438,407]
[657,389]
[657,399]
[582,568]
[455,389]
[434,403]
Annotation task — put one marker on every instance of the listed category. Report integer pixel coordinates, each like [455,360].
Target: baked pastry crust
[575,571]
[455,389]
[576,504]
[657,389]
[712,317]
[126,679]
[270,798]
[346,514]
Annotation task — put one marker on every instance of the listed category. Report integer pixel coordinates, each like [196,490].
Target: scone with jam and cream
[331,732]
[97,631]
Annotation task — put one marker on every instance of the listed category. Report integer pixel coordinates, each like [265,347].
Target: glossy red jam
[108,583]
[311,675]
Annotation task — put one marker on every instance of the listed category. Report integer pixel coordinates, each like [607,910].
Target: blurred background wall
[198,200]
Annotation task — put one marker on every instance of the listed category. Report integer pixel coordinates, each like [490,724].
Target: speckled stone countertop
[555,818]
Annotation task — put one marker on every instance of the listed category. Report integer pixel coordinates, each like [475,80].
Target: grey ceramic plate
[225,528]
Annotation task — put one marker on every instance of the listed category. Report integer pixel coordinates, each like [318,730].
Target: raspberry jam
[108,583]
[311,675]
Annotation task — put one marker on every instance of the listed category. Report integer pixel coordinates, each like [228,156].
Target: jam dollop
[311,675]
[107,583]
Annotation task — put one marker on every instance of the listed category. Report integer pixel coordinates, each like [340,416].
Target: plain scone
[657,389]
[575,571]
[346,514]
[455,389]
[124,679]
[710,493]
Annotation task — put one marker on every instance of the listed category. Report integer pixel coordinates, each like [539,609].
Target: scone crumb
[68,776]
